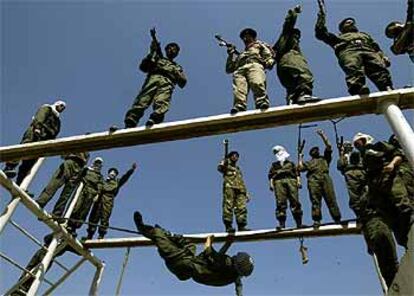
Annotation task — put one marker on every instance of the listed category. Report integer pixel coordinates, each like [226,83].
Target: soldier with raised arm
[403,34]
[248,69]
[163,74]
[320,184]
[209,268]
[45,125]
[292,68]
[358,55]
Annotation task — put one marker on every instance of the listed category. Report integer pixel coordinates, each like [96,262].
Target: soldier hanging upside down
[209,268]
[163,75]
[319,182]
[292,68]
[248,69]
[358,55]
[45,125]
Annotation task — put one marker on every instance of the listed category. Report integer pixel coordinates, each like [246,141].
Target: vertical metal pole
[401,128]
[64,277]
[381,279]
[11,207]
[51,249]
[96,281]
[121,276]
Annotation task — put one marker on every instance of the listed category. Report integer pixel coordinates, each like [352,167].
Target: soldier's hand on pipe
[297,9]
[389,168]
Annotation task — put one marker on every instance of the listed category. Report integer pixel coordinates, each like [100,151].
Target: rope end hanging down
[303,251]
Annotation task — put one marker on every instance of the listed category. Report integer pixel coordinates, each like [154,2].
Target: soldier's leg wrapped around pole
[240,208]
[352,64]
[107,206]
[229,196]
[57,181]
[294,74]
[34,261]
[24,169]
[330,198]
[380,241]
[295,205]
[256,79]
[240,89]
[142,101]
[281,201]
[315,195]
[377,71]
[162,100]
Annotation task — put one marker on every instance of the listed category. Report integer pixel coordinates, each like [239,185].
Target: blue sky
[87,52]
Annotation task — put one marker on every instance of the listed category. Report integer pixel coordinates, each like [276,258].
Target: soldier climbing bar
[214,125]
[351,228]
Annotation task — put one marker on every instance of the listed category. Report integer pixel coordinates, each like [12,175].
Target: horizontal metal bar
[47,219]
[348,228]
[213,125]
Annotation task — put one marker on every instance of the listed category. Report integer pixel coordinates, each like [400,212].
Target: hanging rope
[303,251]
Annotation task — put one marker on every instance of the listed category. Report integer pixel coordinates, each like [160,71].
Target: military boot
[316,224]
[305,99]
[282,224]
[229,227]
[242,227]
[298,221]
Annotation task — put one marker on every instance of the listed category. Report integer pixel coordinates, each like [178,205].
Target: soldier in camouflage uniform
[248,69]
[283,182]
[319,182]
[209,268]
[67,175]
[163,75]
[358,55]
[403,34]
[292,68]
[387,191]
[92,180]
[45,125]
[404,169]
[102,209]
[234,193]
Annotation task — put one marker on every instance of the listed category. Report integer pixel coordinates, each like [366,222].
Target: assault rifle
[222,42]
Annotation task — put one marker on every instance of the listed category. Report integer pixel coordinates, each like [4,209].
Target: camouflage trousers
[321,186]
[235,201]
[358,63]
[378,236]
[294,74]
[100,214]
[287,190]
[157,90]
[250,76]
[82,207]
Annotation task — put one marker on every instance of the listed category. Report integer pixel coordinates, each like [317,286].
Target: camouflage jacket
[111,187]
[278,171]
[318,166]
[232,175]
[47,122]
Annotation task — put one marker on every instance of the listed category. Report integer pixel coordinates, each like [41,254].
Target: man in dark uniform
[292,68]
[319,182]
[92,187]
[358,55]
[234,193]
[403,34]
[102,209]
[163,75]
[283,182]
[45,126]
[67,175]
[209,268]
[37,259]
[387,191]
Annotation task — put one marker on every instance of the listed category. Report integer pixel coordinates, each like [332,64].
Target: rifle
[222,42]
[322,6]
[226,148]
[300,147]
[158,50]
[339,140]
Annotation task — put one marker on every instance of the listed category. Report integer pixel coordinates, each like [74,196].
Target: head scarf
[280,153]
[55,105]
[368,139]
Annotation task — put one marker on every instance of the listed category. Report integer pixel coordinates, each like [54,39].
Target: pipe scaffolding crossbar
[348,228]
[214,125]
[47,219]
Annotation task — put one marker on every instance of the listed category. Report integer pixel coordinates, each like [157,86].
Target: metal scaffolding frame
[388,103]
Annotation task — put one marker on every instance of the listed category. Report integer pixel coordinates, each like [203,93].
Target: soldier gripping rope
[209,268]
[45,125]
[292,68]
[403,34]
[235,196]
[358,54]
[102,209]
[320,184]
[163,74]
[248,69]
[283,182]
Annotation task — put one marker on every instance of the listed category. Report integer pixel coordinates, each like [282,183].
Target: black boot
[298,221]
[242,227]
[229,227]
[282,224]
[316,224]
